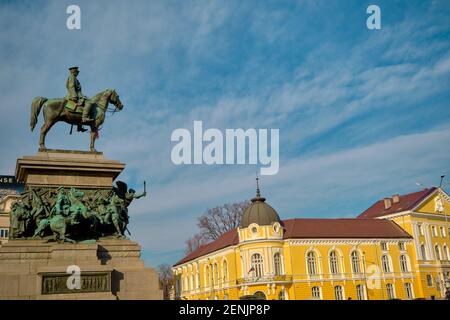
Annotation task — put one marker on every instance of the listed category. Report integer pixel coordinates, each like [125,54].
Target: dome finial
[258,193]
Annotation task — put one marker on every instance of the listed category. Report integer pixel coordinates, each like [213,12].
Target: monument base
[68,168]
[108,269]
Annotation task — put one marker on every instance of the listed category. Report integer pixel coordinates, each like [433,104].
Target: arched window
[225,271]
[257,264]
[433,230]
[445,252]
[277,263]
[408,290]
[356,267]
[311,261]
[429,280]
[192,281]
[338,293]
[438,252]
[423,251]
[282,295]
[216,274]
[334,263]
[315,291]
[360,294]
[404,267]
[385,263]
[390,291]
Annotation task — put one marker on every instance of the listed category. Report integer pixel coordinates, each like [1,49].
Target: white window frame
[386,263]
[423,251]
[404,263]
[434,231]
[216,274]
[437,252]
[420,229]
[225,271]
[445,252]
[277,265]
[361,292]
[340,292]
[390,289]
[333,259]
[318,292]
[311,262]
[355,262]
[257,264]
[429,280]
[409,288]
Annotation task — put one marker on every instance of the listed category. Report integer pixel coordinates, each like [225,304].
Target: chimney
[387,203]
[396,198]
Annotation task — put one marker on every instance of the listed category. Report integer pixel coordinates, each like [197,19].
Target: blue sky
[363,114]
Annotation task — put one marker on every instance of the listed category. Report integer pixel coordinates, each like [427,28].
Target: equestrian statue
[74,109]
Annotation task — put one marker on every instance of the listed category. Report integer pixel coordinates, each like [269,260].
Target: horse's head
[114,99]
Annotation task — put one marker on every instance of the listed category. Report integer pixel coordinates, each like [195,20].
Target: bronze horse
[55,110]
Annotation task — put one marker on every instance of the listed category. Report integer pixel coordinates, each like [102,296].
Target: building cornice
[345,241]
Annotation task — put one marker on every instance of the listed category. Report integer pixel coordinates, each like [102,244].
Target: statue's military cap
[73,68]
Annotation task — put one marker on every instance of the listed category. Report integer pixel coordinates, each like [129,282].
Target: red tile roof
[342,229]
[407,202]
[229,238]
[314,229]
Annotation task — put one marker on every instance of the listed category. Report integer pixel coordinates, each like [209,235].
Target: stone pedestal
[67,168]
[109,269]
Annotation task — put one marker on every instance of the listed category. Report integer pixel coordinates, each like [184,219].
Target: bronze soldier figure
[74,94]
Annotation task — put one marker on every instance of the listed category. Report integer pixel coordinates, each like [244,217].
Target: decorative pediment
[437,203]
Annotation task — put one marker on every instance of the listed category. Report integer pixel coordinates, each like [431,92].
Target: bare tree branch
[195,242]
[215,222]
[166,280]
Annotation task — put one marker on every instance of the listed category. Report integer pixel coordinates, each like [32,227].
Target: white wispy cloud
[237,65]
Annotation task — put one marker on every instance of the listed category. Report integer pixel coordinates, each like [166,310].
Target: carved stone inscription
[56,283]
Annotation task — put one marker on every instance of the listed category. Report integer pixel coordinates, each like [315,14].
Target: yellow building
[422,214]
[373,256]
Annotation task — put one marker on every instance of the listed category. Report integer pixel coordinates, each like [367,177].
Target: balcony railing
[266,278]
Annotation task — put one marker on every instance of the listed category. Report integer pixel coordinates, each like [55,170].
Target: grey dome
[259,212]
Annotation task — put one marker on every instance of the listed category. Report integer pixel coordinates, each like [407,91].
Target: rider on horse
[74,94]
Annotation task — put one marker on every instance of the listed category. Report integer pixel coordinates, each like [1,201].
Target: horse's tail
[36,106]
